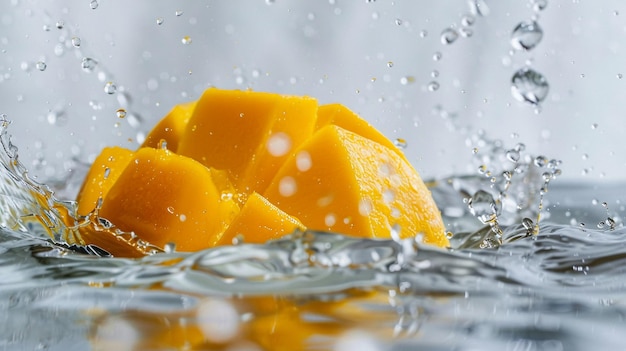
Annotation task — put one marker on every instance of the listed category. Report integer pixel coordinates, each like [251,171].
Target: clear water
[536,263]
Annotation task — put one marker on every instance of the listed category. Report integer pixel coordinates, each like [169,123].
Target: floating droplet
[433,86]
[513,155]
[401,143]
[110,88]
[529,85]
[60,24]
[88,64]
[449,36]
[76,42]
[279,144]
[466,32]
[41,66]
[483,206]
[121,113]
[160,20]
[437,56]
[478,7]
[539,5]
[178,13]
[186,40]
[390,64]
[526,35]
[93,4]
[407,80]
[468,20]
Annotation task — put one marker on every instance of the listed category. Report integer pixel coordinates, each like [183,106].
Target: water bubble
[437,56]
[529,85]
[121,113]
[41,66]
[434,73]
[433,86]
[478,7]
[287,186]
[620,76]
[541,161]
[466,32]
[186,40]
[279,144]
[88,64]
[76,42]
[406,80]
[160,20]
[93,4]
[526,35]
[110,88]
[468,20]
[423,34]
[303,161]
[398,22]
[449,36]
[390,64]
[513,155]
[178,13]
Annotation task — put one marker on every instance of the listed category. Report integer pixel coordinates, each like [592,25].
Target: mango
[259,221]
[167,198]
[340,115]
[248,134]
[171,128]
[103,173]
[340,181]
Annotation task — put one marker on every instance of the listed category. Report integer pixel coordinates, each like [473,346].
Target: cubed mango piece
[103,173]
[167,198]
[259,221]
[340,115]
[342,182]
[247,133]
[171,128]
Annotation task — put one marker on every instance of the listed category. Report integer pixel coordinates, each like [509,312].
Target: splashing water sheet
[513,123]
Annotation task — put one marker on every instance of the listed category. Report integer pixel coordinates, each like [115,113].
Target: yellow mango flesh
[259,221]
[340,115]
[103,173]
[167,198]
[171,128]
[352,185]
[249,134]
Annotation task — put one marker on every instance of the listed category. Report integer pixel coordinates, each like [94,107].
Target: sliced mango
[249,134]
[340,115]
[352,185]
[171,128]
[167,198]
[259,221]
[103,173]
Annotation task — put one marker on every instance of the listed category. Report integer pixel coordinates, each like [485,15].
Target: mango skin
[248,134]
[167,198]
[355,186]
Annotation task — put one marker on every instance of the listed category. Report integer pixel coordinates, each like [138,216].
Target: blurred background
[78,76]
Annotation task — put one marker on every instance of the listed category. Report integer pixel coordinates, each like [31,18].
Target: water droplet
[433,86]
[407,80]
[398,22]
[483,206]
[401,143]
[434,74]
[178,13]
[529,85]
[541,161]
[60,24]
[121,113]
[287,186]
[390,64]
[160,20]
[93,4]
[41,66]
[270,2]
[513,155]
[468,20]
[88,64]
[526,35]
[423,34]
[478,7]
[186,40]
[539,5]
[449,36]
[303,161]
[437,56]
[110,88]
[279,144]
[466,32]
[76,42]
[620,76]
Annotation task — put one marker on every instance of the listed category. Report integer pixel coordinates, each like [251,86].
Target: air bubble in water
[401,143]
[88,64]
[529,85]
[449,36]
[178,13]
[526,35]
[93,4]
[466,32]
[41,66]
[76,42]
[437,56]
[160,20]
[110,88]
[186,40]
